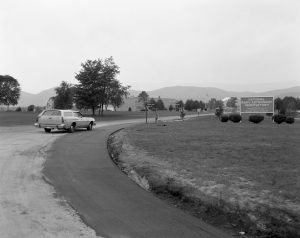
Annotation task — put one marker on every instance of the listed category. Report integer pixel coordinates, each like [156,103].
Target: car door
[79,119]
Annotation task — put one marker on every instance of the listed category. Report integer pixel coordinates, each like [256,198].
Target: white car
[63,120]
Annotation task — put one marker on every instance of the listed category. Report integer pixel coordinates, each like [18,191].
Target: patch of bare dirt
[28,205]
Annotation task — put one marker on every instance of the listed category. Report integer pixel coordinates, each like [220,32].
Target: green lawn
[12,118]
[250,171]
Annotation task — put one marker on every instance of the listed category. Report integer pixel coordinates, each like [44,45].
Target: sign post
[147,105]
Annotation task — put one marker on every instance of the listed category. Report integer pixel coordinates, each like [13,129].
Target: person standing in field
[182,114]
[156,116]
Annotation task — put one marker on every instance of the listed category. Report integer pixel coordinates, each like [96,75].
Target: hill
[39,99]
[205,93]
[176,92]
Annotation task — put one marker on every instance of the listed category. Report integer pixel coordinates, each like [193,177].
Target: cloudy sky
[233,44]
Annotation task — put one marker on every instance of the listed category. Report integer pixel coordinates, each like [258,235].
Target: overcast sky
[234,45]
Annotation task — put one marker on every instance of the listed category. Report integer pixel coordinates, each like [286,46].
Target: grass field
[240,176]
[12,118]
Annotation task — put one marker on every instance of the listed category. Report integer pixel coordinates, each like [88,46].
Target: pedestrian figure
[182,114]
[156,116]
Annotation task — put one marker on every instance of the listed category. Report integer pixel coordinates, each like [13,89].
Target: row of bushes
[30,108]
[280,118]
[235,117]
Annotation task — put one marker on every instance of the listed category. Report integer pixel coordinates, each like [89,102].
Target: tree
[95,81]
[116,93]
[214,103]
[152,104]
[143,97]
[232,102]
[189,105]
[9,90]
[219,104]
[196,105]
[64,96]
[30,108]
[289,105]
[108,78]
[278,104]
[201,105]
[286,105]
[219,112]
[171,108]
[160,104]
[179,105]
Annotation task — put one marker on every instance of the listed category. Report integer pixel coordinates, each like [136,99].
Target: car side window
[68,114]
[77,114]
[56,113]
[48,113]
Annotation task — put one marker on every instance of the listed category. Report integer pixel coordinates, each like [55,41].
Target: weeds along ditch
[241,177]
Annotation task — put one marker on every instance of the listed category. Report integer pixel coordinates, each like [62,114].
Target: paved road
[80,169]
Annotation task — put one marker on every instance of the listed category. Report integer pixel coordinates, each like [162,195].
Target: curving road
[81,171]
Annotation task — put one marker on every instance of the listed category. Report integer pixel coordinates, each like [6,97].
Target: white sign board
[257,105]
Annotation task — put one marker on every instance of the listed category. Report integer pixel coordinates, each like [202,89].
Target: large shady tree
[64,96]
[98,85]
[116,94]
[9,90]
[144,97]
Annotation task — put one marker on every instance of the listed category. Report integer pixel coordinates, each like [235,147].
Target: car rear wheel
[72,129]
[90,126]
[48,130]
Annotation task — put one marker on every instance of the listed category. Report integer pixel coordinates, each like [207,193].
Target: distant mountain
[134,93]
[39,99]
[185,92]
[292,92]
[176,92]
[205,93]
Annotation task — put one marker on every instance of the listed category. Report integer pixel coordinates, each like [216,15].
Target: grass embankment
[238,176]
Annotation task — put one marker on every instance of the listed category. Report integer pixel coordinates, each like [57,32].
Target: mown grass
[242,175]
[12,118]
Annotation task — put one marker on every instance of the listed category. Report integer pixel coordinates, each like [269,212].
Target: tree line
[98,88]
[286,105]
[150,103]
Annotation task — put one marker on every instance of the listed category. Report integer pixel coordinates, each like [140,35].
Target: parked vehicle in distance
[63,120]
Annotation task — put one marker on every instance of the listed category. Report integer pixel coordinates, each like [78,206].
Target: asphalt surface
[82,172]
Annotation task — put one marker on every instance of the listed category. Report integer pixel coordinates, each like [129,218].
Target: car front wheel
[47,130]
[90,126]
